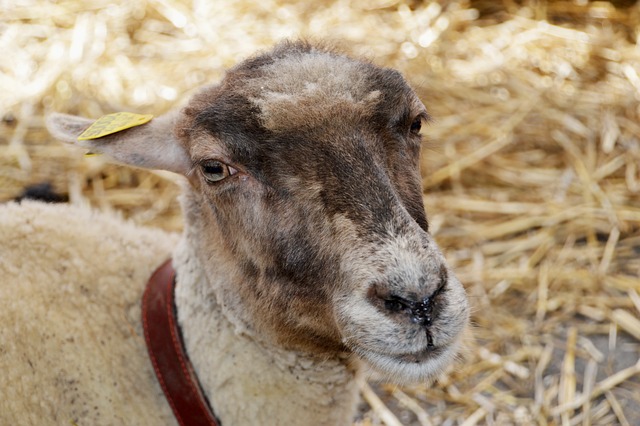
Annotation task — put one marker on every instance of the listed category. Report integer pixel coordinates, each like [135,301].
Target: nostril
[420,312]
[394,305]
[409,306]
[382,298]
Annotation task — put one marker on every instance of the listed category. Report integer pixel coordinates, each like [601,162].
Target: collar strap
[166,350]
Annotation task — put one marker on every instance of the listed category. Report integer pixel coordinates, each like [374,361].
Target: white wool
[72,349]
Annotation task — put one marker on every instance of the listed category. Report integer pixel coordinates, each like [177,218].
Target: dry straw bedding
[531,166]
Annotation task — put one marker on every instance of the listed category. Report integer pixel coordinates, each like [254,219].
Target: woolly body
[72,349]
[71,343]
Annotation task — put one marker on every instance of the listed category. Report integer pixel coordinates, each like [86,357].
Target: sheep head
[304,197]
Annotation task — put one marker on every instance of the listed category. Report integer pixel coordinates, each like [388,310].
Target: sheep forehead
[303,96]
[305,87]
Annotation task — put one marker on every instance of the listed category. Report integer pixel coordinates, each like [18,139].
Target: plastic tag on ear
[113,123]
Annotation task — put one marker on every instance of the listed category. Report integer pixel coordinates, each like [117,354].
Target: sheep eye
[416,125]
[215,171]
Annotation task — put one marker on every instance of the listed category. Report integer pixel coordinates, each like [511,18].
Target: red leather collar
[166,350]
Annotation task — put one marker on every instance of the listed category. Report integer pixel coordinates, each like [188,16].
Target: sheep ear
[151,145]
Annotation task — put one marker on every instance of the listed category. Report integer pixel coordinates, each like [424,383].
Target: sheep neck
[248,381]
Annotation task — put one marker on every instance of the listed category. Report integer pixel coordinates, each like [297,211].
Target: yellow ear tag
[113,123]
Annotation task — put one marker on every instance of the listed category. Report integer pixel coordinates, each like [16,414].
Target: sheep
[306,258]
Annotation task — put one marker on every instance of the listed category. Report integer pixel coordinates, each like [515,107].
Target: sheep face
[306,168]
[304,204]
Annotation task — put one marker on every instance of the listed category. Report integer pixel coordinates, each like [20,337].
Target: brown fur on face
[327,182]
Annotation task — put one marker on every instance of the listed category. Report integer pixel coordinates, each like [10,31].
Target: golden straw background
[531,167]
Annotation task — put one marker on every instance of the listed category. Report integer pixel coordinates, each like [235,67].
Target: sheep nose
[415,304]
[419,312]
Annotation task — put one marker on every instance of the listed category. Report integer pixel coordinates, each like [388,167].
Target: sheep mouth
[421,356]
[412,367]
